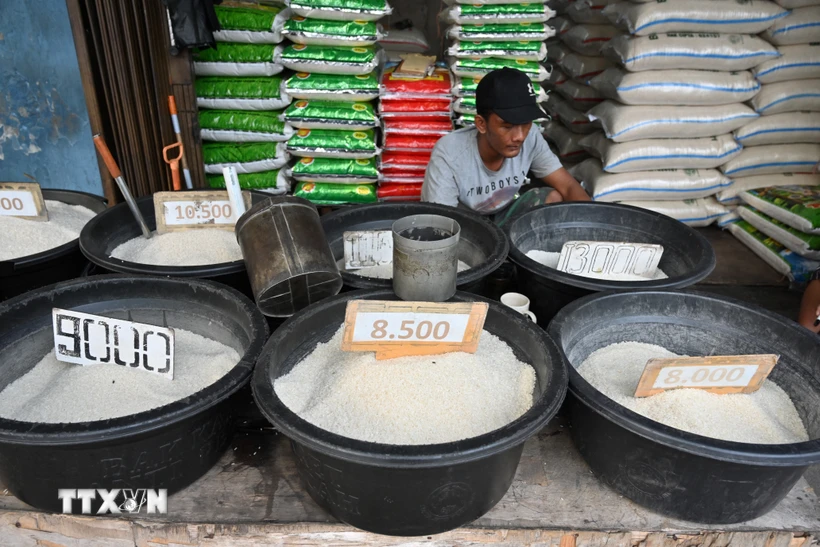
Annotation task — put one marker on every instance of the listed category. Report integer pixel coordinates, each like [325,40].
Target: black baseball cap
[510,94]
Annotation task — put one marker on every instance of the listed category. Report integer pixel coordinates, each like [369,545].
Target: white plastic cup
[519,303]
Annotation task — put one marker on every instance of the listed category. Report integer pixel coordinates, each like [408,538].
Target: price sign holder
[609,258]
[399,329]
[86,339]
[200,209]
[367,248]
[723,375]
[23,199]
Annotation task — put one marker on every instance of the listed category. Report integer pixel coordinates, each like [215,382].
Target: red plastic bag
[414,126]
[415,106]
[435,85]
[413,177]
[409,143]
[404,161]
[399,192]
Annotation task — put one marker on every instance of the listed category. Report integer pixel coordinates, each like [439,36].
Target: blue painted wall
[44,127]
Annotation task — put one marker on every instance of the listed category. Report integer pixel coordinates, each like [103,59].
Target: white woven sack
[588,39]
[561,25]
[786,128]
[731,195]
[801,62]
[580,97]
[624,123]
[655,154]
[676,87]
[693,212]
[583,67]
[556,53]
[581,12]
[566,142]
[788,97]
[575,120]
[791,4]
[676,51]
[722,16]
[668,184]
[773,158]
[800,27]
[556,78]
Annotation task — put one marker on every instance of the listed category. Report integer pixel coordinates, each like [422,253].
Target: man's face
[505,138]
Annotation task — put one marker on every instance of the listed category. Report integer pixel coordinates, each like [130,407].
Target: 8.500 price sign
[396,329]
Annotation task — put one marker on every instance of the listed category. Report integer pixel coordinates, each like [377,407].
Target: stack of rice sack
[490,34]
[674,101]
[335,59]
[581,31]
[415,114]
[241,97]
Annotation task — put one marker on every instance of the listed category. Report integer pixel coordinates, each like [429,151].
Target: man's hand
[567,186]
[810,307]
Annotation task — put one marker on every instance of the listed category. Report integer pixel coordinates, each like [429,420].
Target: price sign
[721,374]
[397,329]
[368,248]
[85,339]
[607,258]
[177,211]
[22,199]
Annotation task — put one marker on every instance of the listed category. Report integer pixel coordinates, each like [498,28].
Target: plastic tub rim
[61,250]
[500,252]
[408,456]
[60,434]
[773,455]
[704,267]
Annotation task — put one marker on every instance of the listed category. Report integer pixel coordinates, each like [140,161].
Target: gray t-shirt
[456,174]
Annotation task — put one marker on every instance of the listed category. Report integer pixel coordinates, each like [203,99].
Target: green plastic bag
[333,87]
[465,105]
[466,87]
[777,256]
[331,33]
[806,245]
[330,59]
[273,182]
[246,157]
[502,32]
[241,93]
[306,114]
[341,10]
[243,126]
[532,51]
[335,170]
[229,59]
[330,143]
[795,206]
[493,14]
[479,67]
[465,120]
[250,25]
[321,193]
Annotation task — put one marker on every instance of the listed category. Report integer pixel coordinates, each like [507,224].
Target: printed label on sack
[176,211]
[610,258]
[85,339]
[368,248]
[720,374]
[22,199]
[397,329]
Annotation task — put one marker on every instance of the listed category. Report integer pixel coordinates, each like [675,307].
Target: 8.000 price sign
[720,374]
[395,329]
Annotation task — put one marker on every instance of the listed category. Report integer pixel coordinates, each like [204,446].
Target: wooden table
[253,496]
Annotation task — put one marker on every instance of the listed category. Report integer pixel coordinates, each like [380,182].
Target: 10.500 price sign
[195,210]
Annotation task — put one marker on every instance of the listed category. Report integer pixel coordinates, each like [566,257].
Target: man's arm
[439,182]
[810,306]
[566,185]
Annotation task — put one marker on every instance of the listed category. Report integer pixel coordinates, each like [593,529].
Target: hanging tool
[174,163]
[234,191]
[114,169]
[172,106]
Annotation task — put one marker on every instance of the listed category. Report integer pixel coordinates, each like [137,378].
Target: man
[810,305]
[484,167]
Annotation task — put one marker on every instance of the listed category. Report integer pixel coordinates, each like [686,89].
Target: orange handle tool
[174,163]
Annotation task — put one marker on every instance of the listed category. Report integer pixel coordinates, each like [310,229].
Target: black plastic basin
[687,257]
[58,264]
[117,225]
[406,490]
[167,447]
[667,470]
[481,244]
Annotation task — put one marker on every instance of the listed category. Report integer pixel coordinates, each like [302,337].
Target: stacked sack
[335,59]
[773,173]
[490,34]
[415,115]
[690,61]
[582,31]
[241,96]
